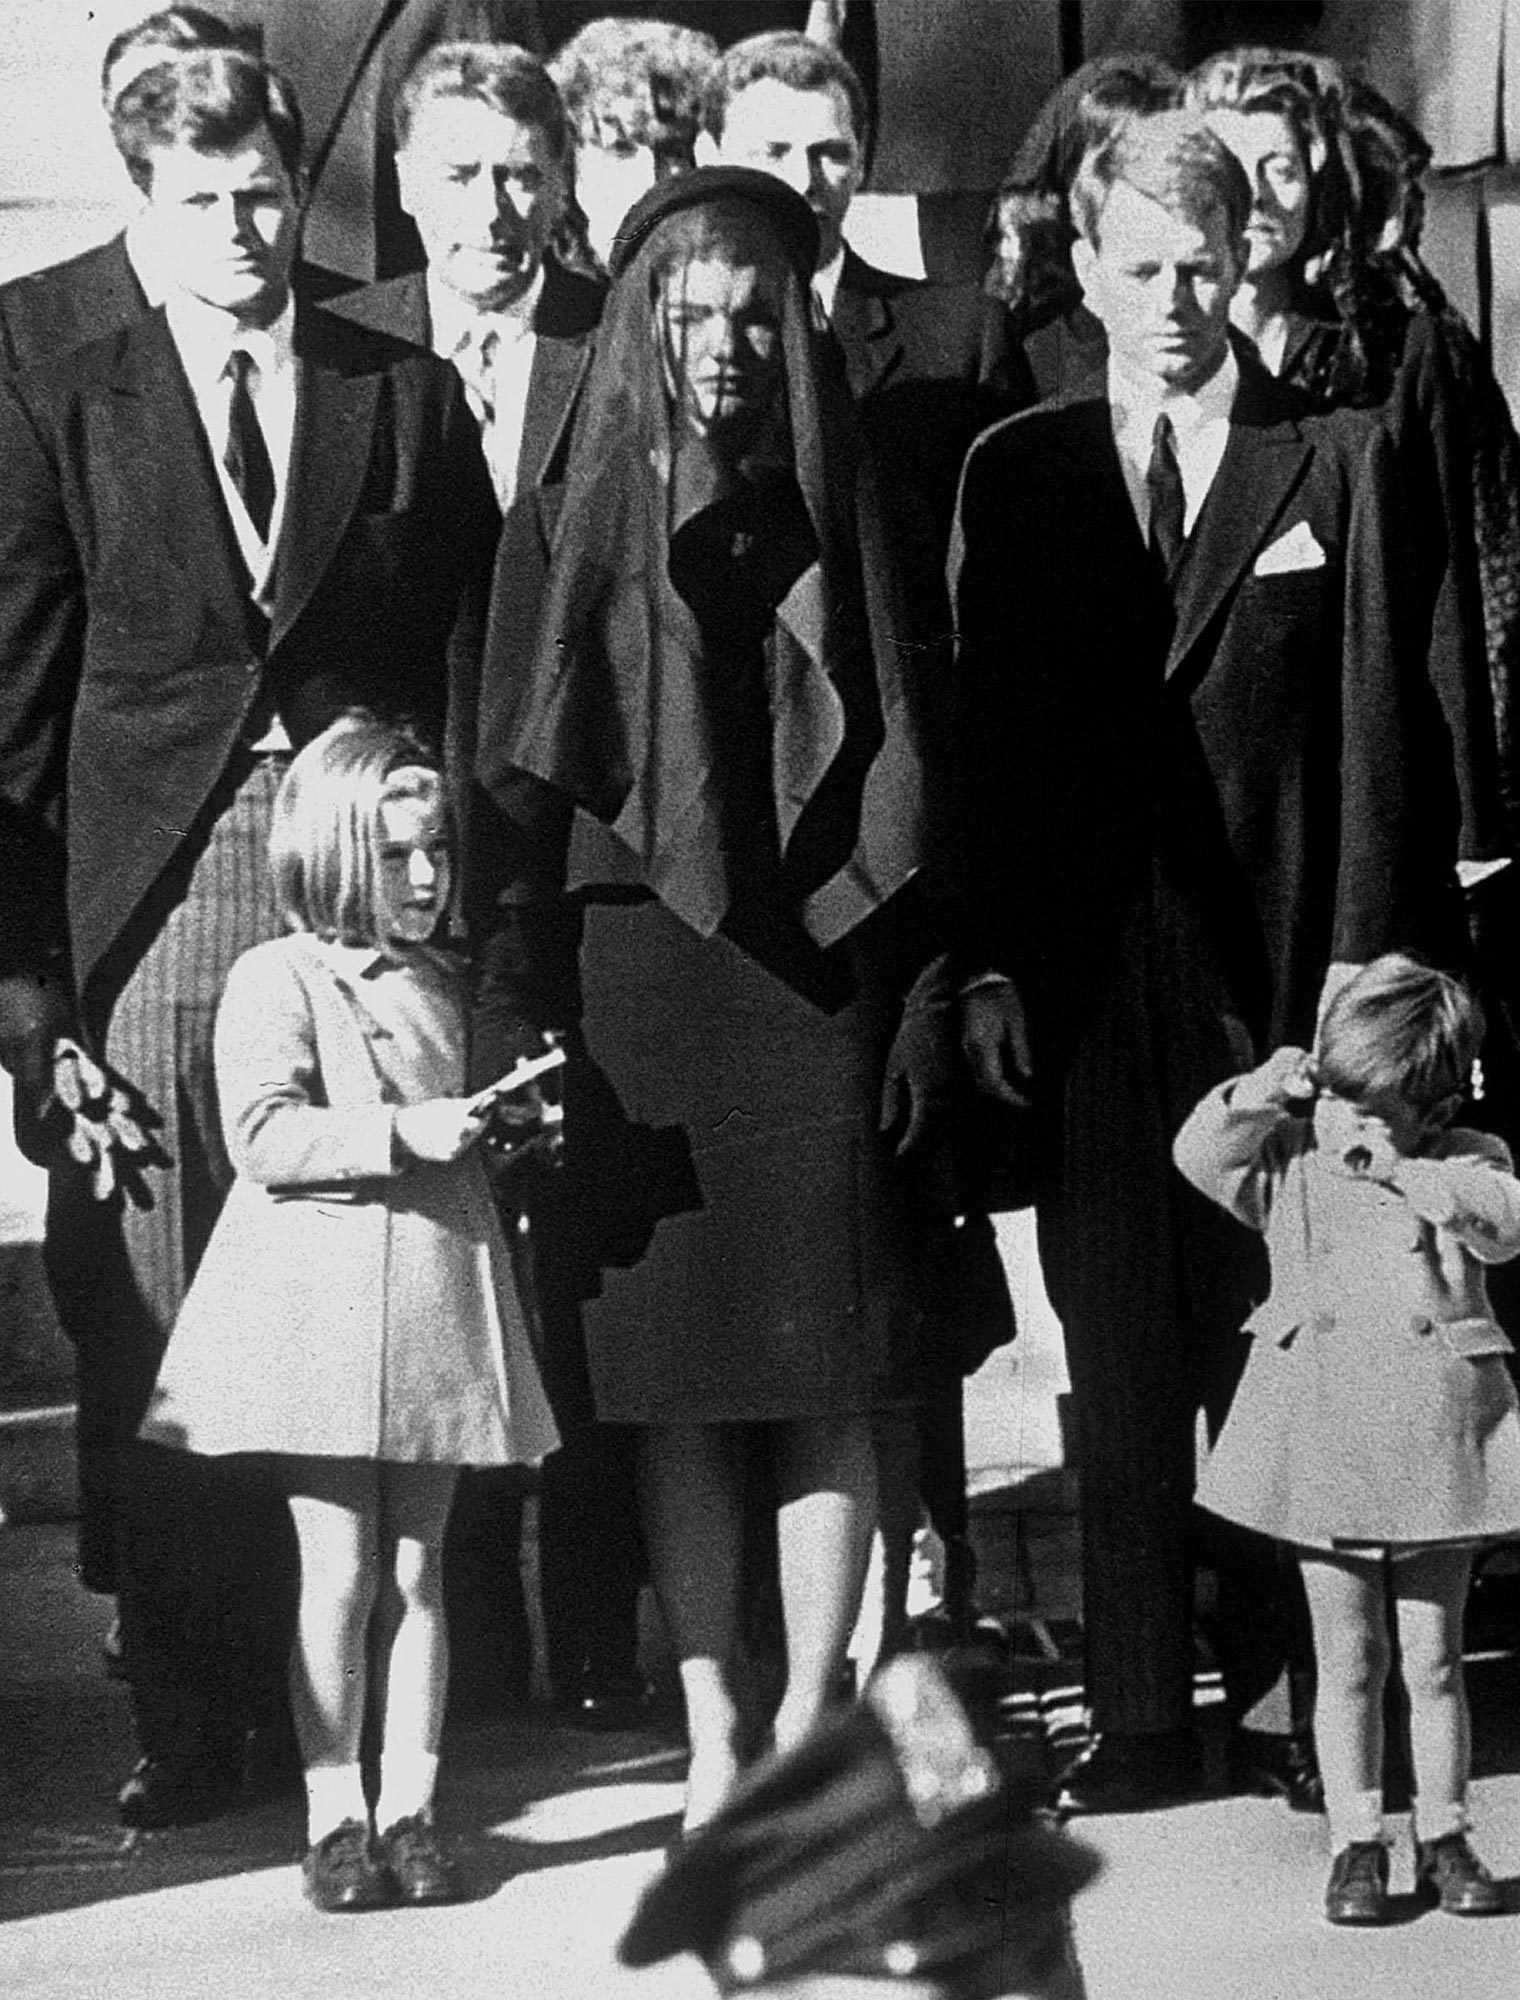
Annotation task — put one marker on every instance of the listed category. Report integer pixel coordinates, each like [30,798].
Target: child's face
[416,867]
[1360,1135]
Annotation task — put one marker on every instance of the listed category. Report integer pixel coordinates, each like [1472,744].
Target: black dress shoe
[607,1701]
[1447,1872]
[1357,1892]
[1126,1774]
[171,1792]
[341,1873]
[1275,1767]
[419,1868]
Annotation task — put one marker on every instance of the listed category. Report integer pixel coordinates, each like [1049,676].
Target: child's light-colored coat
[1375,1406]
[348,1305]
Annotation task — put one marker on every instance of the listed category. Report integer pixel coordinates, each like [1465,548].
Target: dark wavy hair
[1357,266]
[1029,229]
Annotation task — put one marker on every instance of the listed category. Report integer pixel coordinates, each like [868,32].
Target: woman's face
[721,333]
[1266,145]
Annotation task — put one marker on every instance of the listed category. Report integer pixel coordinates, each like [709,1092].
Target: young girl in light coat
[1375,1427]
[356,1313]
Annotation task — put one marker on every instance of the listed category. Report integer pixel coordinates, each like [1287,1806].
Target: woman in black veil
[699,810]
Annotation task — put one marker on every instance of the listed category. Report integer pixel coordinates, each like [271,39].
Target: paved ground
[561,1829]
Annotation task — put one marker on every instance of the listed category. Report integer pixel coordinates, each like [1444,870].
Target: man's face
[485,192]
[1162,287]
[722,342]
[805,138]
[225,221]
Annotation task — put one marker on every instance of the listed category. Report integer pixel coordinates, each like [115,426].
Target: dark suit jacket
[1267,735]
[134,658]
[48,313]
[568,309]
[930,367]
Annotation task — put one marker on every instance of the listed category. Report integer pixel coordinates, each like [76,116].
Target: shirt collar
[455,321]
[206,336]
[1139,399]
[826,282]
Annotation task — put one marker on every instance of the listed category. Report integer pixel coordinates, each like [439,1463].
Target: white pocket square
[1298,549]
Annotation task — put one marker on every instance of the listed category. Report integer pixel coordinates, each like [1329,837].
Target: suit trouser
[201,1551]
[1151,1284]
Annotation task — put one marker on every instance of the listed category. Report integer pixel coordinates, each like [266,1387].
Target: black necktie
[1163,481]
[247,455]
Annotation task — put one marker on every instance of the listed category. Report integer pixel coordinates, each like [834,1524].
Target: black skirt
[785,1276]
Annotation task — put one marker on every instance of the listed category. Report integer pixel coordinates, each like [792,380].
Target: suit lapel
[330,454]
[866,328]
[1262,466]
[556,369]
[157,430]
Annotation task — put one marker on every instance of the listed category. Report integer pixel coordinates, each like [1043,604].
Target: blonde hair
[324,839]
[1400,1026]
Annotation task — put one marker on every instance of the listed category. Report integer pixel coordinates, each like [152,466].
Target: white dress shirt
[496,384]
[1200,421]
[206,340]
[826,284]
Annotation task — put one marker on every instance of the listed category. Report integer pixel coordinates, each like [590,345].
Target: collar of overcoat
[1264,463]
[184,518]
[564,320]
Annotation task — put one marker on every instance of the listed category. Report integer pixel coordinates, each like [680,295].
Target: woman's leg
[1351,1656]
[691,1492]
[335,1505]
[1430,1594]
[414,1643]
[826,1490]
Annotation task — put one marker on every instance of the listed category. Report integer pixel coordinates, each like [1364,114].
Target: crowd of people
[896,750]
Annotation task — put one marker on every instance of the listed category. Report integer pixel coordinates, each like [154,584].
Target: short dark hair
[649,79]
[782,56]
[207,101]
[1399,1026]
[509,79]
[1173,158]
[171,31]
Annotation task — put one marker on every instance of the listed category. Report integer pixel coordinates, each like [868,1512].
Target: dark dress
[705,780]
[782,1282]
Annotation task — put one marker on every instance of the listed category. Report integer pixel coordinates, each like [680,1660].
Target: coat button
[1421,1323]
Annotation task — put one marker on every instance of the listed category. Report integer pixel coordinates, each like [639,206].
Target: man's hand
[916,1081]
[34,1013]
[995,1041]
[102,1134]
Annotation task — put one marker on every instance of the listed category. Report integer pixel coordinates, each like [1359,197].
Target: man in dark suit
[485,167]
[1203,769]
[220,526]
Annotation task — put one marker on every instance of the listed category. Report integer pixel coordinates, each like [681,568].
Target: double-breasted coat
[1375,1406]
[351,1303]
